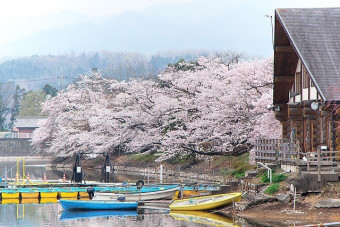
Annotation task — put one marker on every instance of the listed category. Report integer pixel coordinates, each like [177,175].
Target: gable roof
[27,122]
[315,36]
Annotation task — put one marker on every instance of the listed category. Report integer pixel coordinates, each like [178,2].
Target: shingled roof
[314,33]
[27,122]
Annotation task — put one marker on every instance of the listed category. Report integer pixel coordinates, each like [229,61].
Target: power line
[35,80]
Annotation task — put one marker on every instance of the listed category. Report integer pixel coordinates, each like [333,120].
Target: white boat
[166,193]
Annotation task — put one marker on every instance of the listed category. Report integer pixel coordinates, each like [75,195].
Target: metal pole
[5,177]
[148,176]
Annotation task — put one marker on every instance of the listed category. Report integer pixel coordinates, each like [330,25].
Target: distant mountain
[162,27]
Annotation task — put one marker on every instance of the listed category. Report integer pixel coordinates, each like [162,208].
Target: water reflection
[71,214]
[202,217]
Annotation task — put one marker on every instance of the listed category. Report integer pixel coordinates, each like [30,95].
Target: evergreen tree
[17,97]
[3,113]
[49,90]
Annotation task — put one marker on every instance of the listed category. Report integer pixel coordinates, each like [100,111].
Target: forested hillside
[35,71]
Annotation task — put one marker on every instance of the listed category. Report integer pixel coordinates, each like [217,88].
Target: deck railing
[288,152]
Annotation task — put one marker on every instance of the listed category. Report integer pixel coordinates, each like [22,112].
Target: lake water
[37,213]
[52,215]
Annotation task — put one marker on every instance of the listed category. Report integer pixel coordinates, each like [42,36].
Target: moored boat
[162,193]
[10,194]
[48,193]
[67,193]
[27,193]
[97,205]
[205,202]
[48,200]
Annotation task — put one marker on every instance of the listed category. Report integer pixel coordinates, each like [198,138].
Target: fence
[277,151]
[288,152]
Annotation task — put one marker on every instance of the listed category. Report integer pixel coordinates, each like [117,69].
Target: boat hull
[29,195]
[97,205]
[67,194]
[205,202]
[83,194]
[6,195]
[48,194]
[145,196]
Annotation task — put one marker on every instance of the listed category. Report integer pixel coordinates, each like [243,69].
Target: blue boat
[97,205]
[79,214]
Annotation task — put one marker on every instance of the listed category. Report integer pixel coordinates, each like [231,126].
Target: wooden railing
[277,151]
[283,151]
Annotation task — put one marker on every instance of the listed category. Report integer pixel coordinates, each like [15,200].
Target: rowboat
[48,200]
[79,214]
[162,193]
[203,217]
[205,202]
[97,205]
[133,189]
[48,193]
[26,193]
[10,194]
[65,193]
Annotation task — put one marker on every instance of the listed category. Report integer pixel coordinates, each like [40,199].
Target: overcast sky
[23,18]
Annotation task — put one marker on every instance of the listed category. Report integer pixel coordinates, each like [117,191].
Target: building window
[298,83]
[305,79]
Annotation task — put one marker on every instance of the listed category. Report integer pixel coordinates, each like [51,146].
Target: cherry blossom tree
[205,107]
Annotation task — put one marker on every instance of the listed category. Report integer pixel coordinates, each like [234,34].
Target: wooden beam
[283,79]
[284,49]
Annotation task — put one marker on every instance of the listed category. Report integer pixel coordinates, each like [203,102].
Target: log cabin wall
[306,70]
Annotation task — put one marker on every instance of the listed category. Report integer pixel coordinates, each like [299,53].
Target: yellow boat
[48,200]
[10,201]
[83,194]
[205,202]
[202,217]
[49,194]
[10,195]
[67,194]
[29,200]
[29,195]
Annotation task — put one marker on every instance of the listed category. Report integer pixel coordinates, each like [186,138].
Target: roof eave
[299,54]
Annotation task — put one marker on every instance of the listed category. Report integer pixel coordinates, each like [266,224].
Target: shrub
[272,189]
[276,178]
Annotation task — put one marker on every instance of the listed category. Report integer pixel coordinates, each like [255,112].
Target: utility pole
[271,21]
[62,82]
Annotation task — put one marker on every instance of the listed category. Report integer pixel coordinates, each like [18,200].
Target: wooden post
[308,158]
[319,165]
[161,174]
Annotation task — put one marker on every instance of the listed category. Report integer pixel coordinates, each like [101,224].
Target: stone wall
[16,147]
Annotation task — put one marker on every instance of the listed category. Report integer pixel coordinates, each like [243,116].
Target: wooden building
[307,76]
[25,126]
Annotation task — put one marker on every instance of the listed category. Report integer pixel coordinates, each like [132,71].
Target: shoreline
[14,158]
[279,214]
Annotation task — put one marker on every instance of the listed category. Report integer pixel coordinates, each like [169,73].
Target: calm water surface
[51,214]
